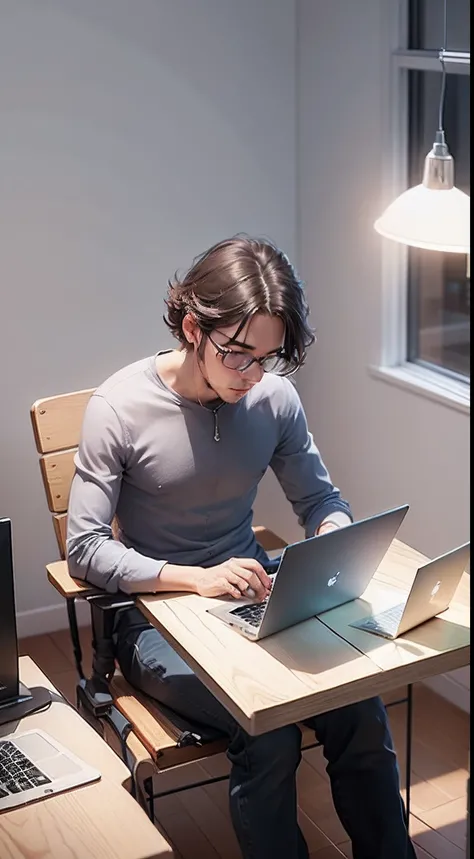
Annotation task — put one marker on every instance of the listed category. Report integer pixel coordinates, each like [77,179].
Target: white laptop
[431,593]
[33,766]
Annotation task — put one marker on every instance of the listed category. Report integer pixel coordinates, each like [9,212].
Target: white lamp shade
[430,219]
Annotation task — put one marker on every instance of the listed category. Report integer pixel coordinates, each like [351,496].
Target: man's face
[263,335]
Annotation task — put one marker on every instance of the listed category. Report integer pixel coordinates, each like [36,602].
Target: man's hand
[233,577]
[327,526]
[335,520]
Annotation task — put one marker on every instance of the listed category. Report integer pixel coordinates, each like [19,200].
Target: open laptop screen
[9,686]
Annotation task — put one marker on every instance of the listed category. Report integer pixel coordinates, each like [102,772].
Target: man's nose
[254,373]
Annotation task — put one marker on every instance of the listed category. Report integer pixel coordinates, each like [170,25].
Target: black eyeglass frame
[249,360]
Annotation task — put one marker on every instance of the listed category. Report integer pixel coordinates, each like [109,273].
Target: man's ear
[191,330]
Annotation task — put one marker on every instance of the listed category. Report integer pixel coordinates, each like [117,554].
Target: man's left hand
[325,527]
[337,519]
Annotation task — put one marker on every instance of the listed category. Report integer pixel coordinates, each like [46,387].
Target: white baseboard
[39,621]
[449,688]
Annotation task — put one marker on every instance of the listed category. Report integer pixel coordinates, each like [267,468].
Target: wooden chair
[148,733]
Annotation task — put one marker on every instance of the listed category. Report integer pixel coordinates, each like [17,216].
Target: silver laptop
[431,593]
[33,766]
[316,575]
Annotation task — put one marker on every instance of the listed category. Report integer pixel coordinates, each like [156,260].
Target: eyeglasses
[277,363]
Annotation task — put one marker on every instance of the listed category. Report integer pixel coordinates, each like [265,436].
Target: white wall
[384,446]
[133,136]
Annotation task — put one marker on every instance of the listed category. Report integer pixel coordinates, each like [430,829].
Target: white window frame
[394,366]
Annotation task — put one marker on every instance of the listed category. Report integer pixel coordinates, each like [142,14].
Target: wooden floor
[197,822]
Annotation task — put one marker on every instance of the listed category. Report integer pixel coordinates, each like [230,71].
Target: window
[426,25]
[438,301]
[426,345]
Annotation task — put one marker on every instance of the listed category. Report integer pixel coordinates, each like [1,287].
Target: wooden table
[96,821]
[320,664]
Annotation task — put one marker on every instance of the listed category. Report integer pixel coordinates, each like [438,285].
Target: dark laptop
[16,700]
[9,680]
[33,765]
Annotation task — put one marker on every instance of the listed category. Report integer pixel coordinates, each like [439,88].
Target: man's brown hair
[231,282]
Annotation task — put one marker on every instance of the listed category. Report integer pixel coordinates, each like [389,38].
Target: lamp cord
[443,66]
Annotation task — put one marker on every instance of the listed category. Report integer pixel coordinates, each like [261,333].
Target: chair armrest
[267,539]
[58,575]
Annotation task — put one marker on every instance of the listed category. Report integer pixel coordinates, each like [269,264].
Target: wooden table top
[319,664]
[95,821]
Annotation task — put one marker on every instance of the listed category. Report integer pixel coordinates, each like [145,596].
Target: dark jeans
[356,742]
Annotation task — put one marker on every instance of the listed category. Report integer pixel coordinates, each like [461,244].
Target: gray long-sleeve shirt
[150,457]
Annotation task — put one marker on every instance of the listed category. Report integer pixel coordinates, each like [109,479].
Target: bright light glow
[437,220]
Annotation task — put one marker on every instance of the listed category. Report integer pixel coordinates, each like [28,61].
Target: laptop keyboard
[252,613]
[17,772]
[385,621]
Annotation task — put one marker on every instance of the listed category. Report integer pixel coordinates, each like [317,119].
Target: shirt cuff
[138,574]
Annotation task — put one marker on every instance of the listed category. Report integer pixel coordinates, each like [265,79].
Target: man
[174,447]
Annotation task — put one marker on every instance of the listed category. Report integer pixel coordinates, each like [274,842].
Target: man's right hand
[234,577]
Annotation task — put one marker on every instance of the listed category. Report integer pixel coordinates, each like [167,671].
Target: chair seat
[154,730]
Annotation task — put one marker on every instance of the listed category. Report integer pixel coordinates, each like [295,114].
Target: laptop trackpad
[59,767]
[46,756]
[36,747]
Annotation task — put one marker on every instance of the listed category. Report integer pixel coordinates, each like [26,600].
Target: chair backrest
[57,425]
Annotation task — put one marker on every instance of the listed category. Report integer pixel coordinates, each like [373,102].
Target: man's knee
[276,752]
[368,714]
[357,731]
[371,712]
